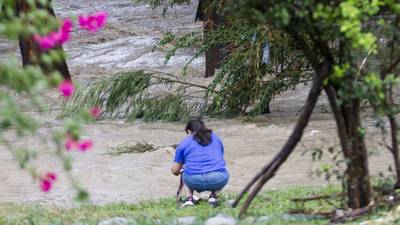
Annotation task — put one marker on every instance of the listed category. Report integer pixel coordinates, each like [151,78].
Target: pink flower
[45,185]
[55,38]
[93,22]
[95,112]
[47,181]
[44,42]
[70,144]
[66,88]
[51,176]
[85,145]
[66,29]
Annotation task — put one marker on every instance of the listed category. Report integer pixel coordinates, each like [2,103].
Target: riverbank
[270,207]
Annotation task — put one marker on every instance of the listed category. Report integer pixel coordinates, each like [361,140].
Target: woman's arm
[176,168]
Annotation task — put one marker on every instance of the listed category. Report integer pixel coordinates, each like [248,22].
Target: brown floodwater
[126,44]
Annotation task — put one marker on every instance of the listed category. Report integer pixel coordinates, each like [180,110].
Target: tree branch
[311,56]
[340,123]
[270,169]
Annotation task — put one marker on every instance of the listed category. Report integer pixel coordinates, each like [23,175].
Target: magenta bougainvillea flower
[51,176]
[65,31]
[70,144]
[55,38]
[95,112]
[45,185]
[93,22]
[44,42]
[80,145]
[46,182]
[66,88]
[85,145]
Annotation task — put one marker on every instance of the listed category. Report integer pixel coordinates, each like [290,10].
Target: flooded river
[126,44]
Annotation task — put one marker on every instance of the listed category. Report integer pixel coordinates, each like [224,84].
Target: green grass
[274,204]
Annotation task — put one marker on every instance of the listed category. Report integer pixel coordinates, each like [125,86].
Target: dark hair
[200,132]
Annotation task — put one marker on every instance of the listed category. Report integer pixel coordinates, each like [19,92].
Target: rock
[187,220]
[249,220]
[230,202]
[339,213]
[263,219]
[313,132]
[221,219]
[115,221]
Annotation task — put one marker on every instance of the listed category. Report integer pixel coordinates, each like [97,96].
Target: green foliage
[244,84]
[333,163]
[342,38]
[272,204]
[132,95]
[22,90]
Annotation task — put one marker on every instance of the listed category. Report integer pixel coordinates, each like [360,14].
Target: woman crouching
[202,156]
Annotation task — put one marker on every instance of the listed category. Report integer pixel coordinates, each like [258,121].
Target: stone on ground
[187,220]
[115,221]
[221,219]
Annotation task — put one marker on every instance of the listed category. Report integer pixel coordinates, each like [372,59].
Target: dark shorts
[213,181]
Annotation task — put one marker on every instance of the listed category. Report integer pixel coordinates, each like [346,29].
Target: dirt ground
[126,43]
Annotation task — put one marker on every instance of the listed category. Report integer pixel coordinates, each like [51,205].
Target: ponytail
[200,132]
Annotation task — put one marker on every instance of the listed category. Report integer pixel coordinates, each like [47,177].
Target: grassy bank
[270,206]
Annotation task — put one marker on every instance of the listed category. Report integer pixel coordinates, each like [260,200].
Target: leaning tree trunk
[352,141]
[30,51]
[270,169]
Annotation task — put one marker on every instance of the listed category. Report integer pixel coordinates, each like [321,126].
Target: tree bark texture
[395,148]
[348,121]
[207,12]
[212,53]
[30,51]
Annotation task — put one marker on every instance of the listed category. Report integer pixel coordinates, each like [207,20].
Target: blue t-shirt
[199,158]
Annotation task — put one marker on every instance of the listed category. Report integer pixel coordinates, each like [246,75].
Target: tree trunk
[207,12]
[395,149]
[30,51]
[394,128]
[212,53]
[60,66]
[348,121]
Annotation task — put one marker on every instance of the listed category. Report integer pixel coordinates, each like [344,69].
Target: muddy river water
[125,44]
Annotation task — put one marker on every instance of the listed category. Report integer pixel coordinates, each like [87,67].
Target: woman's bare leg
[189,200]
[189,191]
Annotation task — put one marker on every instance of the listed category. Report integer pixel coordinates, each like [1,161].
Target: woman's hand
[176,168]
